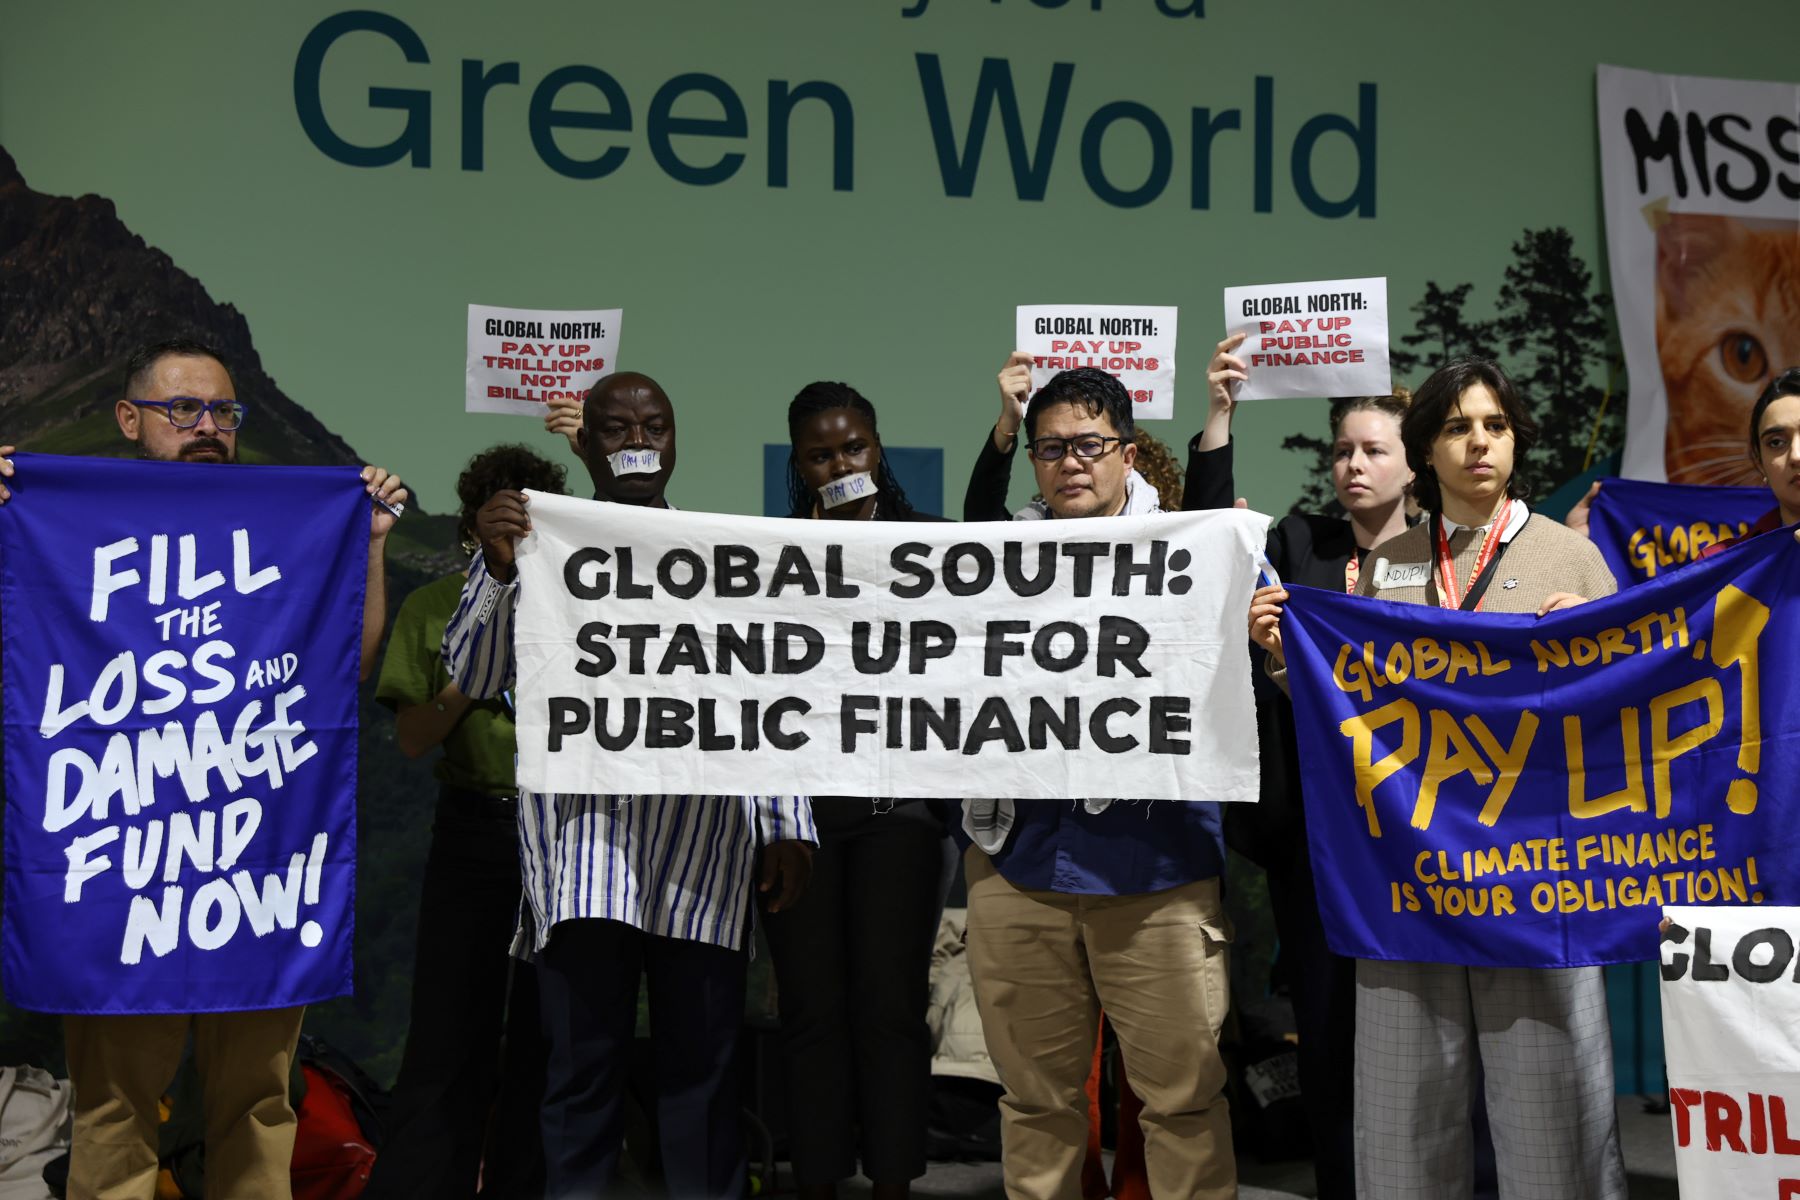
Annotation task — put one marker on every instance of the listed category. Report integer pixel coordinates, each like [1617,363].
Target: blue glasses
[184,412]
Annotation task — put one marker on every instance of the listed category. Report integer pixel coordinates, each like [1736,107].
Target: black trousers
[588,980]
[853,962]
[1322,986]
[472,1049]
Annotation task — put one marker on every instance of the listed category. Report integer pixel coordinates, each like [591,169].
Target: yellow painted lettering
[1351,677]
[1552,655]
[1664,748]
[1370,771]
[1450,754]
[1429,659]
[1507,760]
[1738,621]
[1631,796]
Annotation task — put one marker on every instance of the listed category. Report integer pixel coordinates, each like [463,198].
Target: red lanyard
[1448,595]
[1352,573]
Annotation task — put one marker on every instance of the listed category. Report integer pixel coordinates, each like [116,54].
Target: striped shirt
[675,866]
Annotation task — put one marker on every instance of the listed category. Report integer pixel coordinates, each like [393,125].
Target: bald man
[619,889]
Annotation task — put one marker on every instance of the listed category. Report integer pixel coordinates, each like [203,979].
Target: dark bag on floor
[964,1122]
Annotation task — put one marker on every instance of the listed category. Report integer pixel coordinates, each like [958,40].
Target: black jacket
[1306,549]
[1208,483]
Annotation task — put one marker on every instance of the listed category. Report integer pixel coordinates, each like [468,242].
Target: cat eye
[1744,358]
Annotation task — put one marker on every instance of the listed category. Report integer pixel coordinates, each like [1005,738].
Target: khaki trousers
[122,1065]
[1044,964]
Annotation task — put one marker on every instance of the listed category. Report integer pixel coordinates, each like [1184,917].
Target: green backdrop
[735,293]
[877,248]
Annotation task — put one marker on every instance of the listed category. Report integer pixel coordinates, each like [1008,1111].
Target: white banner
[1135,342]
[1327,338]
[1731,1033]
[670,652]
[1702,185]
[520,359]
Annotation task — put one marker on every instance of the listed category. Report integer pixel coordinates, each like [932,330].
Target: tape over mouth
[847,490]
[634,462]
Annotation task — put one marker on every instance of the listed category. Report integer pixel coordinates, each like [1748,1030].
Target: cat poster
[1701,179]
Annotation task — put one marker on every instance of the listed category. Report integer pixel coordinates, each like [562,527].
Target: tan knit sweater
[1544,557]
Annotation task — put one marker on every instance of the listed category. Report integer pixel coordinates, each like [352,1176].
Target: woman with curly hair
[469,997]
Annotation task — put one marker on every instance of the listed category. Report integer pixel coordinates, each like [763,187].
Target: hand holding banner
[1134,342]
[182,644]
[694,653]
[1311,339]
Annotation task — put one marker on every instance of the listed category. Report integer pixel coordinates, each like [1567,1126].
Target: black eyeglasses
[184,412]
[1087,447]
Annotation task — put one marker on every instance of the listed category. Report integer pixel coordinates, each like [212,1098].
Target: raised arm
[478,644]
[384,489]
[985,499]
[1209,467]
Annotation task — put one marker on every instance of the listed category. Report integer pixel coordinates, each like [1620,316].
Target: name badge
[1402,575]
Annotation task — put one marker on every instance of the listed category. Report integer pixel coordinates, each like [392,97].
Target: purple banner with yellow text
[1514,791]
[1644,529]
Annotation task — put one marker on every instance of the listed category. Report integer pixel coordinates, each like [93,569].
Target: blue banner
[1502,790]
[181,652]
[1644,529]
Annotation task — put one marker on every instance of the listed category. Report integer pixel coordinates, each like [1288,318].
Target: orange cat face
[1727,321]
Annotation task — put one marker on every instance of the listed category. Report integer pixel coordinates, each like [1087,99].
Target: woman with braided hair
[853,957]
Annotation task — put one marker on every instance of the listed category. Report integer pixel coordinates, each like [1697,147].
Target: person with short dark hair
[1087,903]
[1540,1037]
[853,957]
[180,404]
[1773,453]
[623,891]
[465,1106]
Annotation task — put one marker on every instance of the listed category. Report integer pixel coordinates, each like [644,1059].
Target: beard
[193,448]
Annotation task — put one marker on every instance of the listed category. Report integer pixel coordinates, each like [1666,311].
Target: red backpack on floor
[332,1155]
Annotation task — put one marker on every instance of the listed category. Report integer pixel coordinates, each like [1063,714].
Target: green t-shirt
[478,753]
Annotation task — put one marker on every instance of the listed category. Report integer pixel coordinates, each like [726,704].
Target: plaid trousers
[1545,1045]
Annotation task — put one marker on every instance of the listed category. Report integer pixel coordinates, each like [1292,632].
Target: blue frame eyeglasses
[184,412]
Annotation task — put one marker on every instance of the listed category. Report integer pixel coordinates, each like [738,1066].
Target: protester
[1155,467]
[1774,436]
[1774,429]
[624,889]
[181,405]
[472,1046]
[1540,1035]
[1370,478]
[1078,904]
[853,957]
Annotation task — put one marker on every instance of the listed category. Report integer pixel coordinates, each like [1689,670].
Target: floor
[1649,1162]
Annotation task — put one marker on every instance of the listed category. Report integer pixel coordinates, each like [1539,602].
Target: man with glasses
[1087,904]
[180,405]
